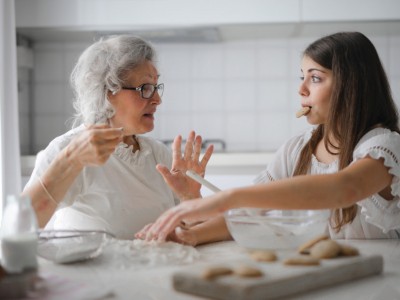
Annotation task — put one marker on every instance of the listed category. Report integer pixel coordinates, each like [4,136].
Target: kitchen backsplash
[243,92]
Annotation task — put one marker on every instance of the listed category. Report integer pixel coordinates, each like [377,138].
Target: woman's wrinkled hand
[182,234]
[94,145]
[182,185]
[141,235]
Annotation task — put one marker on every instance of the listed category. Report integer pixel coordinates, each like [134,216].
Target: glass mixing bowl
[275,229]
[67,246]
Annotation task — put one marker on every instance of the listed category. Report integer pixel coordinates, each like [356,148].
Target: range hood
[190,21]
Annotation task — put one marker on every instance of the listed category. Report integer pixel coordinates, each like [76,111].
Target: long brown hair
[361,100]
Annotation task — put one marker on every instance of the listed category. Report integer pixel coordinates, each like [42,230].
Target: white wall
[244,92]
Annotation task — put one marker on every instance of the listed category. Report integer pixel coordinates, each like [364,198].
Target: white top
[376,217]
[121,196]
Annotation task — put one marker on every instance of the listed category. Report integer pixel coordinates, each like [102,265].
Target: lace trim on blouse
[390,153]
[264,177]
[381,213]
[323,168]
[125,153]
[270,178]
[390,160]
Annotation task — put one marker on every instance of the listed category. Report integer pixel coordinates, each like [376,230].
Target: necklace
[132,141]
[136,145]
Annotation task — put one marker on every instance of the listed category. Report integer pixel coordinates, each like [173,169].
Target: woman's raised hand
[94,145]
[182,185]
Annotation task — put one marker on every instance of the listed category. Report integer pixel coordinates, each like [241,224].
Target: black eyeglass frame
[157,87]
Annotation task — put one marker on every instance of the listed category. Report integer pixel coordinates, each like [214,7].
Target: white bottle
[19,235]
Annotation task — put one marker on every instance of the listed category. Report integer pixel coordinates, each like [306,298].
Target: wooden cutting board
[278,280]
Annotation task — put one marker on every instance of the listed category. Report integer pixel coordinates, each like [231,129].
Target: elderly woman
[103,174]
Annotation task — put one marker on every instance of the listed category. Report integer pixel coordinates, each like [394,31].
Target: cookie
[346,250]
[263,255]
[301,261]
[247,271]
[303,111]
[325,249]
[213,272]
[305,248]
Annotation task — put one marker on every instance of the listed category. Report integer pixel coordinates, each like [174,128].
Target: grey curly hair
[102,68]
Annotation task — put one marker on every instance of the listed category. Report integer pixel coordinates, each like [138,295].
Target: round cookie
[325,249]
[263,255]
[247,271]
[301,260]
[346,250]
[305,248]
[213,272]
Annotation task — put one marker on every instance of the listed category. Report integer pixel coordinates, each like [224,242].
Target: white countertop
[240,158]
[238,163]
[155,282]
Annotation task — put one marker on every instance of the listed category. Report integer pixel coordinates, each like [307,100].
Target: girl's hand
[183,236]
[185,187]
[192,210]
[94,145]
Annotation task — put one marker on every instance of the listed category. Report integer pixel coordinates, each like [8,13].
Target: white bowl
[275,229]
[67,246]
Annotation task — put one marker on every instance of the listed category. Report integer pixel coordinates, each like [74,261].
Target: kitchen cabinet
[158,14]
[350,10]
[200,21]
[123,14]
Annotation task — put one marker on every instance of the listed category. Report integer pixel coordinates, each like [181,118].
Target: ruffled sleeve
[382,144]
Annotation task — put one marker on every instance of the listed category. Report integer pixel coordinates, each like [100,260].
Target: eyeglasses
[147,90]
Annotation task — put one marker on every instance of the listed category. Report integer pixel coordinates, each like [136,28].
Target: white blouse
[376,217]
[121,196]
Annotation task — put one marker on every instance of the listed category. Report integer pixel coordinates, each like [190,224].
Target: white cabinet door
[137,15]
[350,10]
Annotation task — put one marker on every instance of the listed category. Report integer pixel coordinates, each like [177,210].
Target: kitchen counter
[243,163]
[155,282]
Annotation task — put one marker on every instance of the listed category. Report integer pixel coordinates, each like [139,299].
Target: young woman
[348,162]
[102,174]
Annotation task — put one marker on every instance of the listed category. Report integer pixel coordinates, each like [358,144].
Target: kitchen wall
[242,91]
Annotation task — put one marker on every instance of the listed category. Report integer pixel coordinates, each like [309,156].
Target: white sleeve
[43,160]
[378,211]
[285,160]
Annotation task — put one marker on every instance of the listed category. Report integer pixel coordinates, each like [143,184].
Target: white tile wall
[244,92]
[24,89]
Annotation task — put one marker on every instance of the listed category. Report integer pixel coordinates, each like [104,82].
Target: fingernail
[161,237]
[149,236]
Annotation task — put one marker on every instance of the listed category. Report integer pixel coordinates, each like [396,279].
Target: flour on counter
[136,253]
